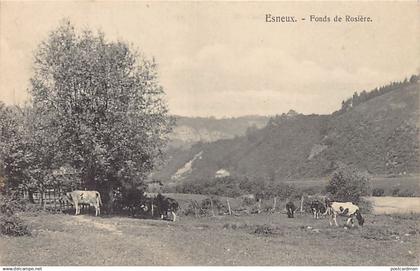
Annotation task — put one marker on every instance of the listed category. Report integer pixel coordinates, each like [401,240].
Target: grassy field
[222,240]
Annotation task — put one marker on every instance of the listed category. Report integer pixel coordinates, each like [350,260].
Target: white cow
[92,198]
[347,209]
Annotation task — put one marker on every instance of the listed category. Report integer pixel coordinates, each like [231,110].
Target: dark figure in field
[317,208]
[290,208]
[166,205]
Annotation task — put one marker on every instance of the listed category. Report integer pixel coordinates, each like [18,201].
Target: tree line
[364,96]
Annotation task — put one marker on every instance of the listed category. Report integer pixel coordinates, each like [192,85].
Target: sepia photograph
[243,134]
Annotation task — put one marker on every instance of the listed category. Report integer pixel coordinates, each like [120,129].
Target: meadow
[258,239]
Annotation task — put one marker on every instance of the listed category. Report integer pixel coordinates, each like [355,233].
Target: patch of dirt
[150,246]
[99,225]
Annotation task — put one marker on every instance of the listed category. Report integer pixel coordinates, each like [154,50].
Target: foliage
[10,224]
[406,193]
[227,186]
[378,192]
[348,184]
[98,119]
[218,206]
[364,96]
[379,135]
[13,226]
[365,206]
[129,198]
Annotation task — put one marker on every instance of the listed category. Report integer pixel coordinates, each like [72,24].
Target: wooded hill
[379,134]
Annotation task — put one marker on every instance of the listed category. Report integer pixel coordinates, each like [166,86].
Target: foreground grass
[87,240]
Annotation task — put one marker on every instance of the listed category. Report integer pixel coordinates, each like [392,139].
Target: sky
[223,59]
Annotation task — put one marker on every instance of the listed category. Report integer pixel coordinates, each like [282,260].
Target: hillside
[189,130]
[379,135]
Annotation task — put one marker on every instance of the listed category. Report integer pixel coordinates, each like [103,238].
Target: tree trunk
[110,203]
[31,196]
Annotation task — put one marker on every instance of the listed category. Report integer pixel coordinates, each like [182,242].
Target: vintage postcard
[209,133]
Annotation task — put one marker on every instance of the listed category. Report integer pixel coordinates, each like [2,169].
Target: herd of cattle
[332,209]
[167,207]
[163,206]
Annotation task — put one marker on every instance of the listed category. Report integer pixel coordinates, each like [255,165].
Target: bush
[130,199]
[348,184]
[13,226]
[9,223]
[218,206]
[395,191]
[191,209]
[378,192]
[365,206]
[406,193]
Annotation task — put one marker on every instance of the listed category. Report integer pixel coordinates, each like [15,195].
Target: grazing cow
[166,205]
[317,208]
[347,209]
[290,208]
[79,197]
[149,206]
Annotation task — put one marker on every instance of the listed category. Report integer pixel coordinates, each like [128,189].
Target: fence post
[152,207]
[44,195]
[195,204]
[274,204]
[259,205]
[228,204]
[211,203]
[301,204]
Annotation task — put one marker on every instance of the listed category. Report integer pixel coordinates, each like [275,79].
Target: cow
[79,197]
[317,208]
[166,205]
[346,209]
[290,208]
[148,206]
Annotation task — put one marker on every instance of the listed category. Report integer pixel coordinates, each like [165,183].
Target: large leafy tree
[101,108]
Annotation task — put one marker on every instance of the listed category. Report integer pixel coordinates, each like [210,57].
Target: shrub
[191,209]
[265,230]
[406,193]
[365,206]
[11,203]
[247,201]
[348,184]
[9,223]
[395,191]
[130,199]
[218,206]
[378,192]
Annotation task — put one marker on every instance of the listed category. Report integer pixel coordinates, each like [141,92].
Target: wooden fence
[51,199]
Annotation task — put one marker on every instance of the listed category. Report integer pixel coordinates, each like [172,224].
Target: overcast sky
[223,59]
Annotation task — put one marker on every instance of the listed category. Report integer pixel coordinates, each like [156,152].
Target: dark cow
[290,208]
[149,206]
[166,205]
[317,208]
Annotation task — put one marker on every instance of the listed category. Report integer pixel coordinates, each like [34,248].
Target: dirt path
[154,251]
